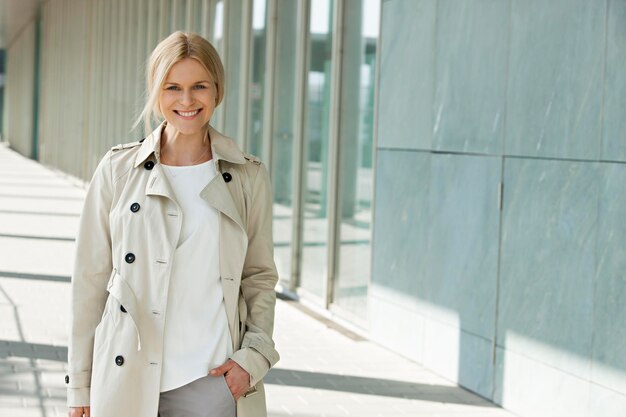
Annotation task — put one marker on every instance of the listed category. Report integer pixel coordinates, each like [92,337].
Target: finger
[221,370]
[75,412]
[234,384]
[235,392]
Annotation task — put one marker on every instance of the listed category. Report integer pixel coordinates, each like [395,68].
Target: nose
[186,98]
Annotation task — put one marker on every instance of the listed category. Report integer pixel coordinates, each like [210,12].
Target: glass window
[283,135]
[234,62]
[176,16]
[355,192]
[163,12]
[218,26]
[216,36]
[196,10]
[256,87]
[315,209]
[181,15]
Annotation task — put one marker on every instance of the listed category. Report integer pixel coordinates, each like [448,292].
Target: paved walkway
[324,371]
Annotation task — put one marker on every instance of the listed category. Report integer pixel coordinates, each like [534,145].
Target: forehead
[187,70]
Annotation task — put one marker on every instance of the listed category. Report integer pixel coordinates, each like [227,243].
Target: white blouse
[196,336]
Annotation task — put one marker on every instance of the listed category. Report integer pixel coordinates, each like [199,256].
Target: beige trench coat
[122,269]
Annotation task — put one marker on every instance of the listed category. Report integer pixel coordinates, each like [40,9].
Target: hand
[237,379]
[78,412]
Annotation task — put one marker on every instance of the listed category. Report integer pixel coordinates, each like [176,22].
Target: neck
[180,149]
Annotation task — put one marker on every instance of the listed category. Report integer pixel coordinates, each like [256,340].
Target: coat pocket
[126,301]
[103,329]
[106,316]
[243,316]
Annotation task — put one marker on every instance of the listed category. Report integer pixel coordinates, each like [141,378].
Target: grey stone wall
[498,254]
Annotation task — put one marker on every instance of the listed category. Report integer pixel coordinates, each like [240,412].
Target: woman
[173,284]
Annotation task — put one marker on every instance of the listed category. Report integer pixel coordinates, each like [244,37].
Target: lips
[188,114]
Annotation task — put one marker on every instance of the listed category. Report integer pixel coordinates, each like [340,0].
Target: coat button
[135,207]
[123,309]
[227,177]
[119,360]
[148,165]
[130,258]
[67,379]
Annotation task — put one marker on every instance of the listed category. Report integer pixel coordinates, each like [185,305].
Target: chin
[188,129]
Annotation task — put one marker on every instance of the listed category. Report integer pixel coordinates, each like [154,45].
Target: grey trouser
[208,396]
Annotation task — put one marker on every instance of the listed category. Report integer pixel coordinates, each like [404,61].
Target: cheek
[208,102]
[208,98]
[166,100]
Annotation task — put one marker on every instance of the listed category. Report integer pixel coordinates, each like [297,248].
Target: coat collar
[222,147]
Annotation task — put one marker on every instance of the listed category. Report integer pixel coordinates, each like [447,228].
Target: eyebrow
[197,82]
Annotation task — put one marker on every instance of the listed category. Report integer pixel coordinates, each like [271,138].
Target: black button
[67,379]
[148,165]
[123,309]
[227,177]
[135,207]
[130,258]
[119,360]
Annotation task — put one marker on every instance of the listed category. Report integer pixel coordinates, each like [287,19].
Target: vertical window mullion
[299,141]
[244,74]
[333,139]
[270,72]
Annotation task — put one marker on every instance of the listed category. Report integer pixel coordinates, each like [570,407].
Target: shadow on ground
[291,377]
[374,386]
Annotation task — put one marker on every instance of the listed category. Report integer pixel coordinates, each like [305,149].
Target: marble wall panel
[459,356]
[614,128]
[470,77]
[435,249]
[395,326]
[531,388]
[18,92]
[609,314]
[556,68]
[548,261]
[463,235]
[406,74]
[401,221]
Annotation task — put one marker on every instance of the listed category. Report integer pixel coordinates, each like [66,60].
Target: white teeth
[188,113]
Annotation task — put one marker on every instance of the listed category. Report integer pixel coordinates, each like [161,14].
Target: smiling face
[188,96]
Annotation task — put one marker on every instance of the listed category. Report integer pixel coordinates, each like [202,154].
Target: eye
[172,88]
[199,87]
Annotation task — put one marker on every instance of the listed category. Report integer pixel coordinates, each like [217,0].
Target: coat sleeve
[257,354]
[91,271]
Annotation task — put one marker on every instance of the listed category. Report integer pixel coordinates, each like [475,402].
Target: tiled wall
[19,91]
[91,86]
[499,232]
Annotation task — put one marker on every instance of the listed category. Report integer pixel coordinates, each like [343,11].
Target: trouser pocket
[208,396]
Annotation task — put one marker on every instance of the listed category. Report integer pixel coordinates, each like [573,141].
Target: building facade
[446,173]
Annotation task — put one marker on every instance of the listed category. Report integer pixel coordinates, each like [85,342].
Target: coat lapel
[233,244]
[158,184]
[216,193]
[233,235]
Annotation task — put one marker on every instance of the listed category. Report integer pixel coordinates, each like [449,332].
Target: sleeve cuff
[253,363]
[78,379]
[78,397]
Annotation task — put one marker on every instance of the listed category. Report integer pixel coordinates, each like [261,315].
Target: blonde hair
[176,47]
